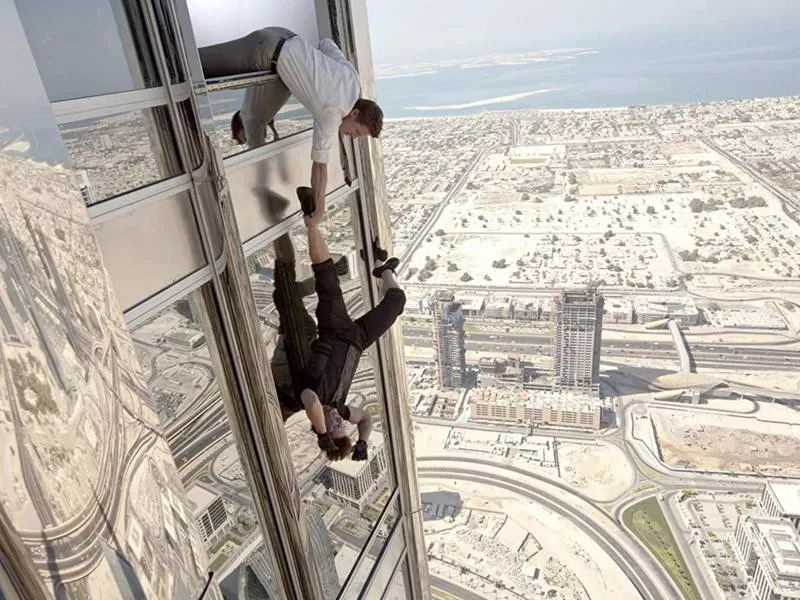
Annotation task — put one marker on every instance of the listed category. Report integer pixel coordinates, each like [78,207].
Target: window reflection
[174,352]
[89,48]
[400,587]
[121,152]
[290,119]
[349,495]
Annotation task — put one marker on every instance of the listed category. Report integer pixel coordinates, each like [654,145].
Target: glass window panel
[174,352]
[370,561]
[400,587]
[350,496]
[215,22]
[88,481]
[88,48]
[119,153]
[292,118]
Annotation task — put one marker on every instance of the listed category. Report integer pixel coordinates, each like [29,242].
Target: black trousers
[333,320]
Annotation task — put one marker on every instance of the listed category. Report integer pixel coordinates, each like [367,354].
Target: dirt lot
[697,440]
[600,471]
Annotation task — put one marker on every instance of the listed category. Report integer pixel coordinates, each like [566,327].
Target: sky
[417,30]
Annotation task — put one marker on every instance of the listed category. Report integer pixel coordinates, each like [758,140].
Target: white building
[619,310]
[472,305]
[499,308]
[781,499]
[567,408]
[209,510]
[355,483]
[769,551]
[651,308]
[526,309]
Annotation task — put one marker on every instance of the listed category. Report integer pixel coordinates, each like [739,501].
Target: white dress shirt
[325,82]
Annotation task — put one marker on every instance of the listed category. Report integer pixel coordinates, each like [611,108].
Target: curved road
[660,587]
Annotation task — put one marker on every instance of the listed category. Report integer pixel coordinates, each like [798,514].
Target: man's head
[237,129]
[365,119]
[337,430]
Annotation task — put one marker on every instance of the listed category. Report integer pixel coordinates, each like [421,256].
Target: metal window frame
[109,209]
[363,555]
[248,157]
[390,557]
[95,107]
[351,16]
[236,82]
[148,308]
[398,570]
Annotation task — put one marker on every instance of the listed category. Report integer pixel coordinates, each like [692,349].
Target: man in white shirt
[322,79]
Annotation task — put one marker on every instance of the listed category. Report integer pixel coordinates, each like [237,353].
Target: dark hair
[369,114]
[237,127]
[343,448]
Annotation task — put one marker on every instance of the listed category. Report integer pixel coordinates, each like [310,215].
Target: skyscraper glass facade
[145,453]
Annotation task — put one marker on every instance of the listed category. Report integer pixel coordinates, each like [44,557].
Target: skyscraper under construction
[448,335]
[577,327]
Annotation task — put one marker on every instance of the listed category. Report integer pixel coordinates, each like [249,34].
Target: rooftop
[783,543]
[674,305]
[199,499]
[787,495]
[354,468]
[564,399]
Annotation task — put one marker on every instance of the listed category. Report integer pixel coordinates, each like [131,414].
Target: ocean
[596,78]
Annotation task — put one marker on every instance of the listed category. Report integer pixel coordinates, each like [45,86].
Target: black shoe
[360,451]
[380,254]
[306,196]
[390,265]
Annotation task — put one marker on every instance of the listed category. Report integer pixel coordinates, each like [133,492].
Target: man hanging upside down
[341,340]
[297,332]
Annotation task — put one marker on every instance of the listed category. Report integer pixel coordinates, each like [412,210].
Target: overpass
[687,364]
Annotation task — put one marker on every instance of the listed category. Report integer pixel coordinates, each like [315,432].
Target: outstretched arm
[317,248]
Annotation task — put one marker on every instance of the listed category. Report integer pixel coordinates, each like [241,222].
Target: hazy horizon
[452,29]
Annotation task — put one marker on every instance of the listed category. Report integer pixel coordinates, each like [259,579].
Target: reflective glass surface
[89,483]
[119,153]
[214,22]
[174,352]
[350,495]
[400,587]
[291,118]
[88,48]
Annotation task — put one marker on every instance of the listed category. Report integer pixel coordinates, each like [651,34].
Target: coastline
[593,109]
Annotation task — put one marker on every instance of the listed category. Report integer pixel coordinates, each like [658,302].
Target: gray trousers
[248,54]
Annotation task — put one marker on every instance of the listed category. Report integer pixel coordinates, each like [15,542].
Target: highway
[423,234]
[710,356]
[638,569]
[790,206]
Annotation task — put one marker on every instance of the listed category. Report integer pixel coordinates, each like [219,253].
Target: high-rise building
[131,227]
[448,336]
[577,327]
